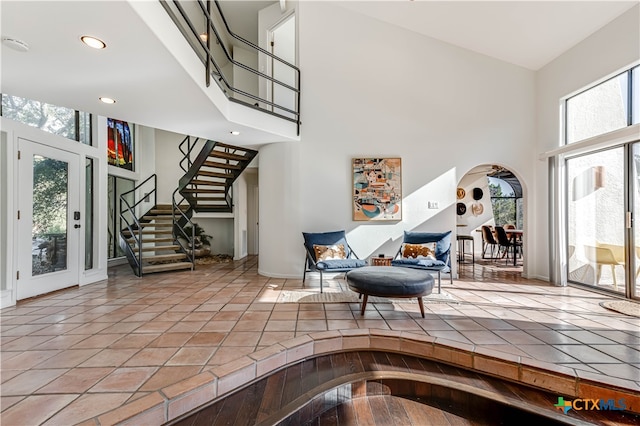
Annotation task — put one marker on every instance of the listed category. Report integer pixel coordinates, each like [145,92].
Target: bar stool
[462,248]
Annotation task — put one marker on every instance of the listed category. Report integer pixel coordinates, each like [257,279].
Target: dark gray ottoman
[389,281]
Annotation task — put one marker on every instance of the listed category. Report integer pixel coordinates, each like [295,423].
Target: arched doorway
[490,196]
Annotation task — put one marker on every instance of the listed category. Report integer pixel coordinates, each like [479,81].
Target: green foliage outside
[504,207]
[50,118]
[49,196]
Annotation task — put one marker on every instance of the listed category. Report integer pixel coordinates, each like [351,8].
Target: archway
[490,195]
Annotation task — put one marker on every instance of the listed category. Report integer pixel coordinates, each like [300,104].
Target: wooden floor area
[380,388]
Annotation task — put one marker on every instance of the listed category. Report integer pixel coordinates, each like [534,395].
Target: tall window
[66,122]
[611,105]
[602,242]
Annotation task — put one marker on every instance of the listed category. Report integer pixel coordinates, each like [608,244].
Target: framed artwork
[119,144]
[377,189]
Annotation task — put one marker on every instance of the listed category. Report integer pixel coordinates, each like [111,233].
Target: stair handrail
[136,226]
[186,153]
[178,229]
[221,78]
[197,163]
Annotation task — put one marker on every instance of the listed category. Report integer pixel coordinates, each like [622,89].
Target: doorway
[491,196]
[49,219]
[282,41]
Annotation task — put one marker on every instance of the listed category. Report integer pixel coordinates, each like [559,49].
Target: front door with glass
[49,223]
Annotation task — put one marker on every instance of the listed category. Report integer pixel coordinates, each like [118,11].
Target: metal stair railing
[201,44]
[129,217]
[180,222]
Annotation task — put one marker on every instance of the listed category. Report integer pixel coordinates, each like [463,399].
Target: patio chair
[410,256]
[329,252]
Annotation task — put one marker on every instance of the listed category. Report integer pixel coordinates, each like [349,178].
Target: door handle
[76,226]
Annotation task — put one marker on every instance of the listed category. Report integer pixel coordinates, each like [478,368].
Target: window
[506,204]
[119,144]
[116,186]
[65,122]
[609,106]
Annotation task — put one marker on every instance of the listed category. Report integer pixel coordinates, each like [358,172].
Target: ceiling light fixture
[90,41]
[235,132]
[204,37]
[107,100]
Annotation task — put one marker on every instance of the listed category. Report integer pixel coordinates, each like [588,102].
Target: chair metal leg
[320,281]
[438,282]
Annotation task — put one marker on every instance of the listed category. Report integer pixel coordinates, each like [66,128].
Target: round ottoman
[390,281]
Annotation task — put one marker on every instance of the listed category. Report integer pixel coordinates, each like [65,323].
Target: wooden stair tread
[126,232]
[148,269]
[161,248]
[219,165]
[204,191]
[151,240]
[207,183]
[220,175]
[163,257]
[228,156]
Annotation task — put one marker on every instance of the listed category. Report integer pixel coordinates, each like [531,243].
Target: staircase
[160,240]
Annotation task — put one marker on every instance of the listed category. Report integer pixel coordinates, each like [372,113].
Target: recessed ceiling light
[96,43]
[235,132]
[204,37]
[107,100]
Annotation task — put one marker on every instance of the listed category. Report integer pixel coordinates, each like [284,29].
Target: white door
[49,219]
[283,45]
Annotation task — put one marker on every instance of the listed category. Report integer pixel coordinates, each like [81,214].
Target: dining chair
[507,243]
[488,240]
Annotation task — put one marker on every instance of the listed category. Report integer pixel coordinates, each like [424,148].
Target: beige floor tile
[35,409]
[124,379]
[77,380]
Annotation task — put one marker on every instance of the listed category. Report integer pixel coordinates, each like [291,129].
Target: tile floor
[71,355]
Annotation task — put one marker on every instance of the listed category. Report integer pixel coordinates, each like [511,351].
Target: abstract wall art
[377,189]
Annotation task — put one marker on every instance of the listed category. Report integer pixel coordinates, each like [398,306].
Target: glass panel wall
[599,110]
[596,219]
[116,187]
[88,214]
[65,122]
[50,201]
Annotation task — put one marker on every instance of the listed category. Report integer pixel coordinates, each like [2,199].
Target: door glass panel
[116,187]
[50,200]
[635,183]
[596,219]
[88,214]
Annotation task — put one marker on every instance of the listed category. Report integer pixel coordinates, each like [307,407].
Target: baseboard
[274,275]
[6,299]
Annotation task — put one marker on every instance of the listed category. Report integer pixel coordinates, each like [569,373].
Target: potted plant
[201,242]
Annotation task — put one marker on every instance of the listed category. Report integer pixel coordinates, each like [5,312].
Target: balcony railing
[209,34]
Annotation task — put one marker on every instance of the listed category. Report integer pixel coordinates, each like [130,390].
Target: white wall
[374,90]
[610,49]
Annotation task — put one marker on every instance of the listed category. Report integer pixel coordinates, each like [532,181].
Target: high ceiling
[525,33]
[153,88]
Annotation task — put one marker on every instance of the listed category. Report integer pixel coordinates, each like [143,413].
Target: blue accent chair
[335,265]
[442,255]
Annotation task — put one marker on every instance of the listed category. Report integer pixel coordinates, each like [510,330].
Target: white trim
[617,137]
[595,83]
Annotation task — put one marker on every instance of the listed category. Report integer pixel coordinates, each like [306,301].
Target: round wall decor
[477,209]
[461,209]
[477,194]
[460,193]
